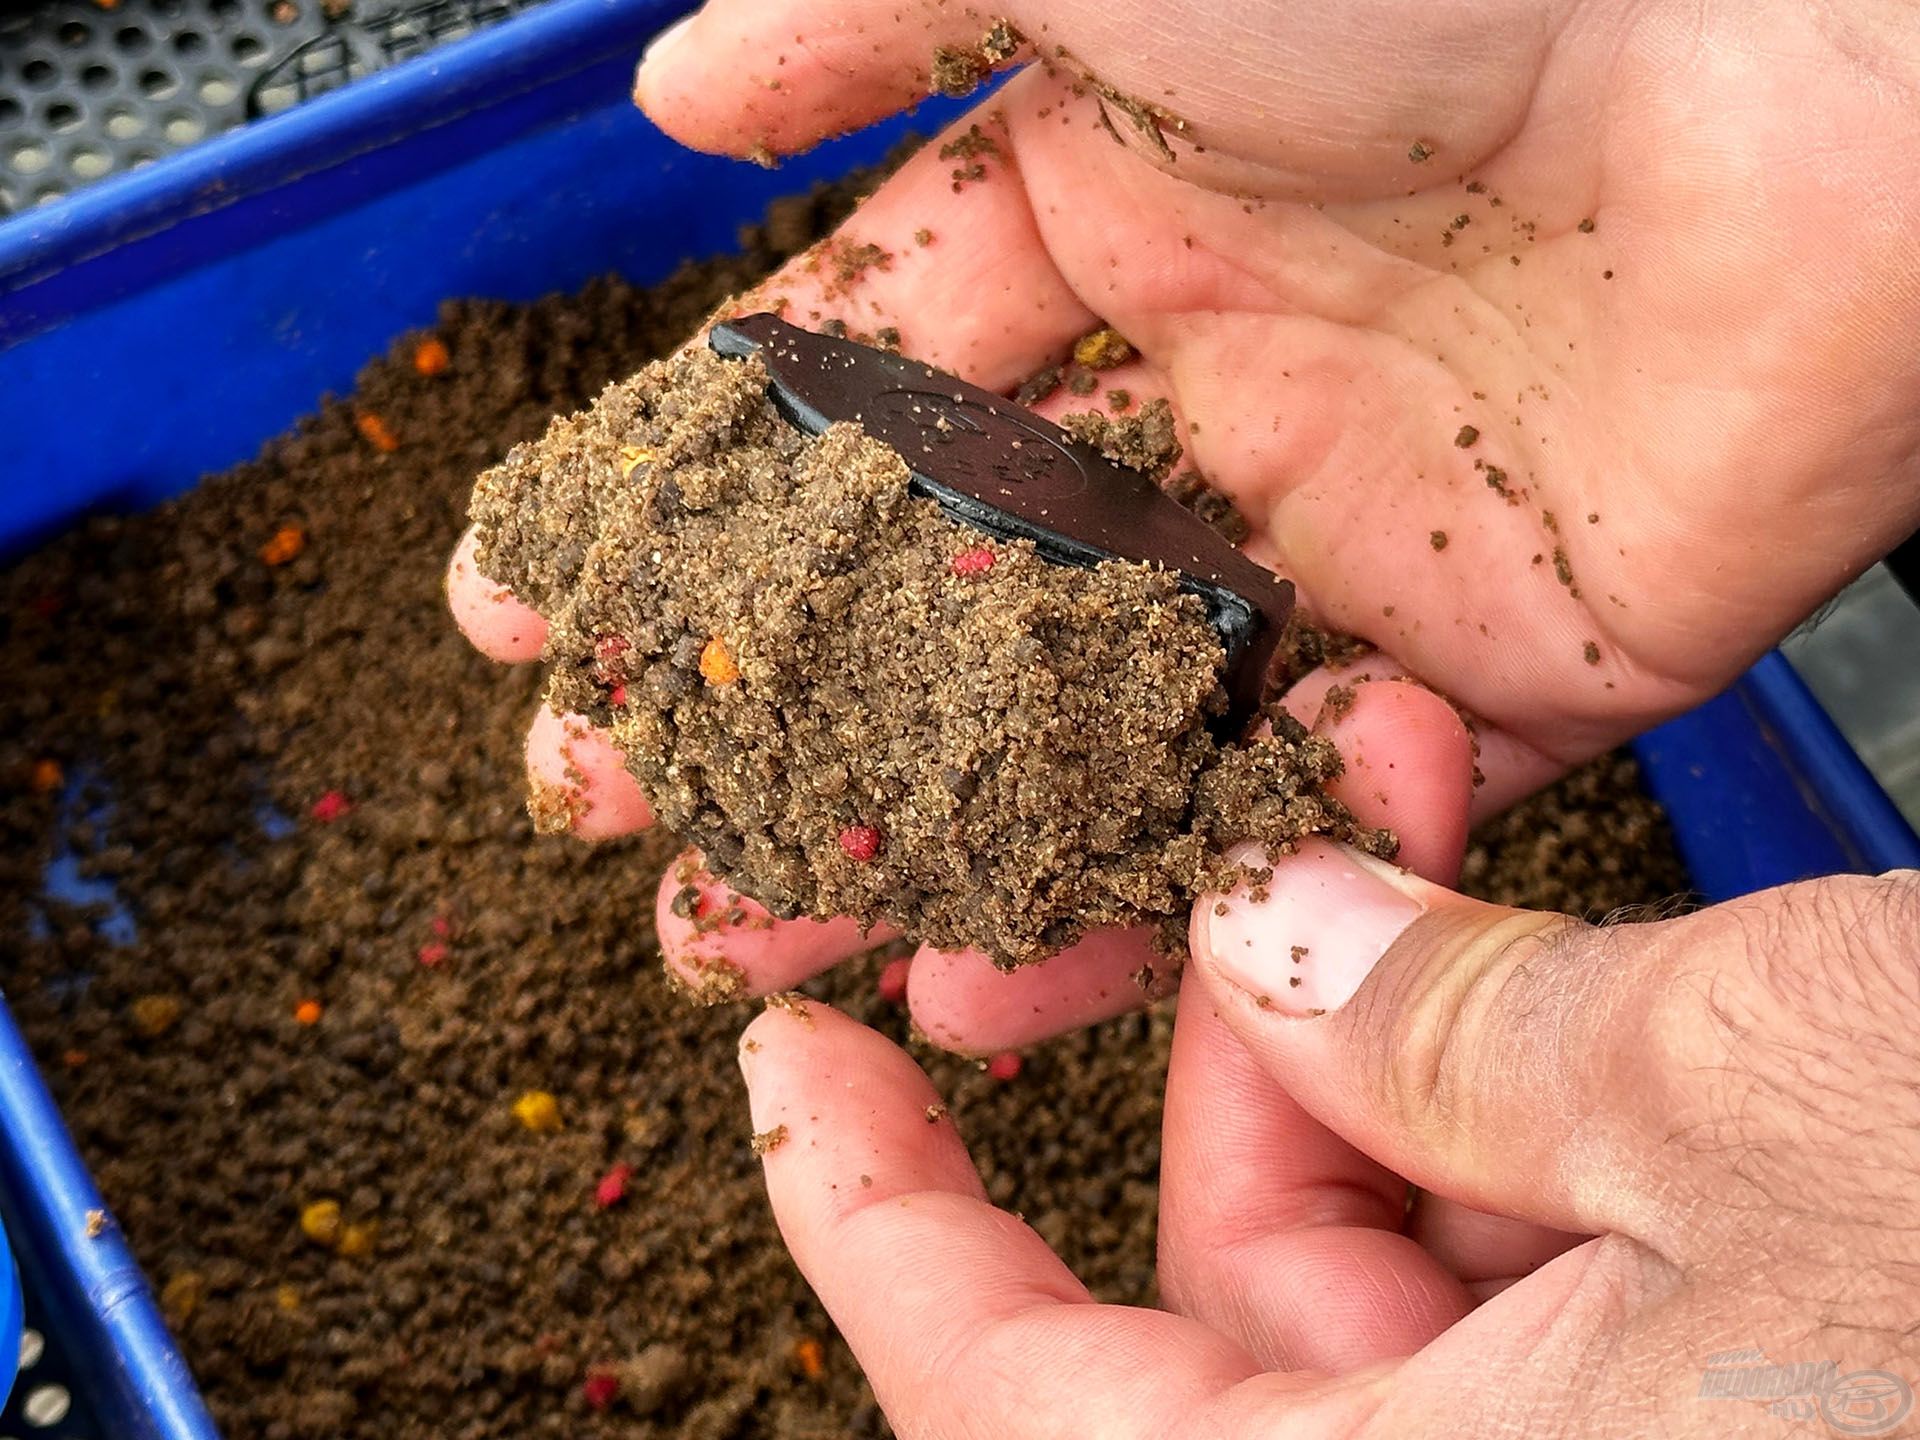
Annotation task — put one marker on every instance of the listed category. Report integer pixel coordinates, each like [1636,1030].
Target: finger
[1504,769]
[578,780]
[734,76]
[1518,1063]
[1275,1231]
[1408,765]
[956,267]
[961,1001]
[777,75]
[1486,1252]
[500,627]
[978,1328]
[1283,969]
[722,945]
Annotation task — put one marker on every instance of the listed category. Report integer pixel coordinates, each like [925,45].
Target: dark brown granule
[1146,442]
[923,237]
[846,264]
[1081,382]
[1193,490]
[973,143]
[1419,152]
[847,719]
[1119,400]
[1585,227]
[1038,386]
[1468,434]
[1304,647]
[959,70]
[1335,704]
[1562,567]
[497,1282]
[1592,652]
[1438,539]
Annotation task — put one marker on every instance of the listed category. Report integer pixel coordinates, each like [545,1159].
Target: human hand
[1726,1101]
[1741,423]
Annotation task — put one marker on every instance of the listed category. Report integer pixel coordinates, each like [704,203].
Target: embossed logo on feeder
[969,440]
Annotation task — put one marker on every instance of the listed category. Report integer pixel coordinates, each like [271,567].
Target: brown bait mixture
[856,706]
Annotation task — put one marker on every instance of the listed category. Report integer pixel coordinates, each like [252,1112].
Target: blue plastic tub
[164,323]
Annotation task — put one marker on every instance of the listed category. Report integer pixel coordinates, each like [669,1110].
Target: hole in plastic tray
[174,72]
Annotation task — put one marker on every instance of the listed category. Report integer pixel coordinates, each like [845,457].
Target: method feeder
[996,466]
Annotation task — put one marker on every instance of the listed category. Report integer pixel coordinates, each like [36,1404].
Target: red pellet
[976,561]
[617,696]
[443,926]
[1004,1066]
[331,806]
[861,842]
[433,952]
[609,648]
[893,981]
[612,1188]
[601,1389]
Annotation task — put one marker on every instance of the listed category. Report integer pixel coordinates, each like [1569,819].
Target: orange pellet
[287,542]
[375,432]
[430,357]
[716,663]
[811,1356]
[73,1059]
[359,1239]
[47,776]
[307,1012]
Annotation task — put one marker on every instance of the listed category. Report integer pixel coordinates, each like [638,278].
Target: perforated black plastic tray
[92,87]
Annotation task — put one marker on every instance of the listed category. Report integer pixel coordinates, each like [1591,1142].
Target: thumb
[1528,1064]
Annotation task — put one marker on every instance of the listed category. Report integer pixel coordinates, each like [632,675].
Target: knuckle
[1451,1023]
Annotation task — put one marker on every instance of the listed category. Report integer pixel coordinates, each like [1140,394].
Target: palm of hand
[1301,288]
[1683,438]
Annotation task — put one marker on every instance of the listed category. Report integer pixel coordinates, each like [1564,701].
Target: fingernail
[1308,943]
[663,44]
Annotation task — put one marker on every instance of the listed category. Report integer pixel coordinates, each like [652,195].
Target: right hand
[1727,1102]
[1725,371]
